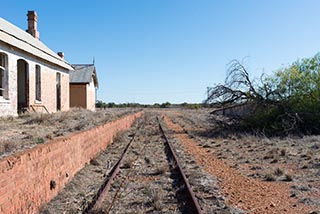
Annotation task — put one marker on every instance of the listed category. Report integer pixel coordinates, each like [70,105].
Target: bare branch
[238,87]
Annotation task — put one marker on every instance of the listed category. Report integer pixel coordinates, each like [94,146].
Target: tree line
[102,104]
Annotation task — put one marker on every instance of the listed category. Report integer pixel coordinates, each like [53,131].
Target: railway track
[148,177]
[195,207]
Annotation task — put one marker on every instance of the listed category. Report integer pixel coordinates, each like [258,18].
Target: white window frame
[4,95]
[38,83]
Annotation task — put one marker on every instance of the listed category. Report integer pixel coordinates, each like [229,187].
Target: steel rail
[121,186]
[103,192]
[192,196]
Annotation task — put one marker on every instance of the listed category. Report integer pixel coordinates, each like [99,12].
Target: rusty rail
[103,192]
[191,194]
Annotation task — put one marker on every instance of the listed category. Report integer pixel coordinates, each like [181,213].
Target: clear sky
[150,51]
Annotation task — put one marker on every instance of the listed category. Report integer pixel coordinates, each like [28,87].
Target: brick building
[31,75]
[83,86]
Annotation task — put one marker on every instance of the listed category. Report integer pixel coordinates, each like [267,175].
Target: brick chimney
[61,54]
[32,24]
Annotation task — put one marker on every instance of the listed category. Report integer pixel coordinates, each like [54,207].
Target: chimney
[32,24]
[61,54]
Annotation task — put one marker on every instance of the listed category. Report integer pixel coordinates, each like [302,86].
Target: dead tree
[265,103]
[238,87]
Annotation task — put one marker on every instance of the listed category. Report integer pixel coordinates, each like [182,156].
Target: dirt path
[254,196]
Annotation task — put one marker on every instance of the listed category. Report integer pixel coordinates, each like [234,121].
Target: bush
[286,102]
[100,104]
[165,105]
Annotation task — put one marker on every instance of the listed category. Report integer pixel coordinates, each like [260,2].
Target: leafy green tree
[112,105]
[156,105]
[165,105]
[100,104]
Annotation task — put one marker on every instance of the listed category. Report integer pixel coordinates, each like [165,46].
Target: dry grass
[128,164]
[29,129]
[161,170]
[7,147]
[271,154]
[288,177]
[269,177]
[278,172]
[156,199]
[282,159]
[94,162]
[120,137]
[147,160]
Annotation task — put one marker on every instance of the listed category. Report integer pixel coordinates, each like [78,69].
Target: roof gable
[83,73]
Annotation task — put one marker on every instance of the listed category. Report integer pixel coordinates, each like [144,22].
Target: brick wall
[65,103]
[48,82]
[9,107]
[48,88]
[26,176]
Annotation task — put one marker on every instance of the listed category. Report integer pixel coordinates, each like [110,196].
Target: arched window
[38,82]
[4,76]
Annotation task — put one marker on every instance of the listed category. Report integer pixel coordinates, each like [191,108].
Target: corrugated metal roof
[16,37]
[83,73]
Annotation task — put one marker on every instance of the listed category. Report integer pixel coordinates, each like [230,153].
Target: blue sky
[150,51]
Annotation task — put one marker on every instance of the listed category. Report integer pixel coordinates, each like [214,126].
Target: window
[38,83]
[3,76]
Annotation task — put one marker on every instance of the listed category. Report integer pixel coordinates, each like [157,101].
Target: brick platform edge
[30,179]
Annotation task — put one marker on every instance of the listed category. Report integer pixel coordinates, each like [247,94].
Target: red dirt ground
[249,194]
